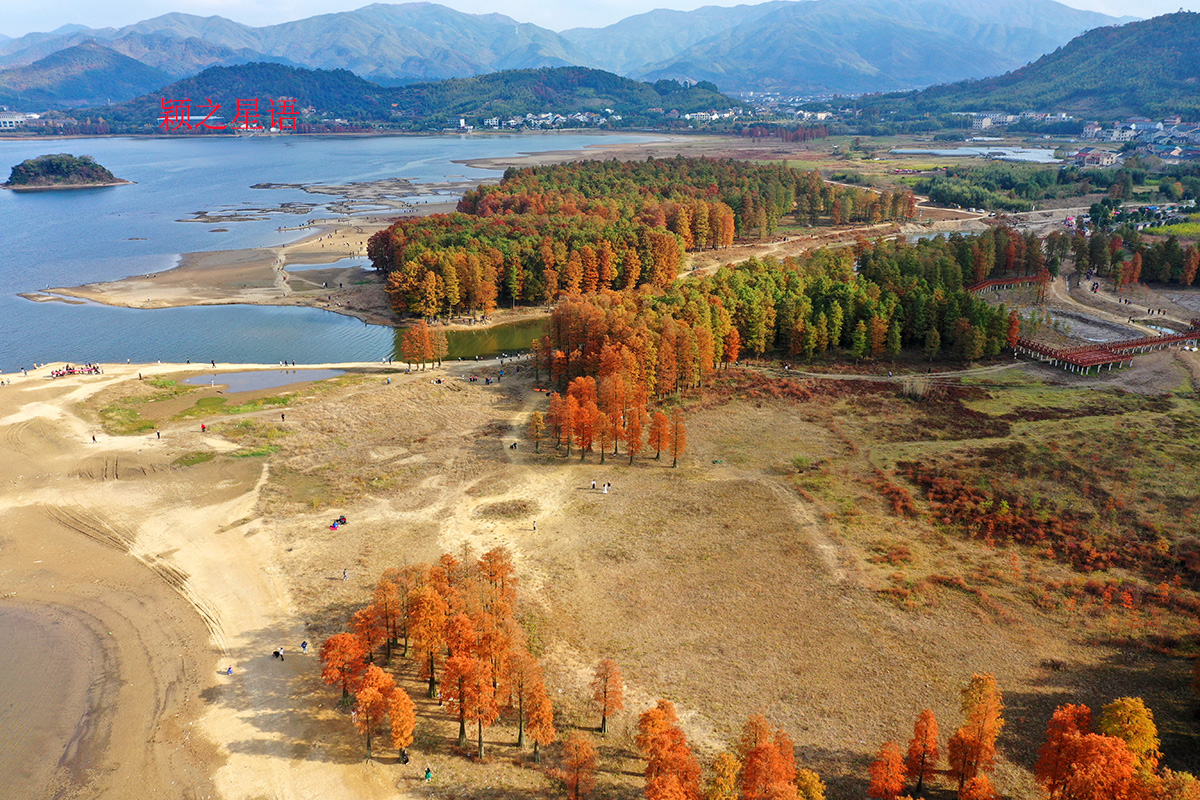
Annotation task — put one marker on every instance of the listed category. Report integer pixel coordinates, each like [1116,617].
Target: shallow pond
[253,381]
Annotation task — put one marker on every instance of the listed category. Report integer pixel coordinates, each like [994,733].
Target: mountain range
[1147,68]
[796,46]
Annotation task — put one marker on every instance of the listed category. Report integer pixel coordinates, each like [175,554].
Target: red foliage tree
[921,762]
[678,435]
[1055,757]
[660,433]
[634,426]
[579,765]
[972,748]
[372,701]
[428,628]
[768,760]
[343,660]
[608,691]
[887,773]
[671,769]
[403,716]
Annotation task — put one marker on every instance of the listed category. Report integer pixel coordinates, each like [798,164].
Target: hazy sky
[18,17]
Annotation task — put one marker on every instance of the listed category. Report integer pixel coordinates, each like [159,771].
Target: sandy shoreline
[141,585]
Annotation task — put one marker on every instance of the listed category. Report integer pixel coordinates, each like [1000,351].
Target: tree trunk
[602,449]
[604,723]
[479,753]
[462,725]
[521,725]
[537,753]
[675,462]
[631,458]
[432,679]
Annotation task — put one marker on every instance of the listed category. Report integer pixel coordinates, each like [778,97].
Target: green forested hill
[342,94]
[86,74]
[1150,68]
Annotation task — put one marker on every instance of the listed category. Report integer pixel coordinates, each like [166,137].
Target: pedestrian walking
[345,575]
[304,647]
[93,438]
[535,524]
[593,485]
[158,434]
[283,417]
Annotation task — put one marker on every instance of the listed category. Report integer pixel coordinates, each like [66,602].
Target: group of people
[607,486]
[337,523]
[86,369]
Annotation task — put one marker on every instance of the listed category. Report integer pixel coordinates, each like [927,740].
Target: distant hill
[851,46]
[804,46]
[1149,68]
[340,93]
[86,74]
[387,43]
[635,42]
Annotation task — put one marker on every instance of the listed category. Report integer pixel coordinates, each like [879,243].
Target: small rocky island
[60,171]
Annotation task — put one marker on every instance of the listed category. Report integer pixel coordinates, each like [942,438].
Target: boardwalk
[1082,359]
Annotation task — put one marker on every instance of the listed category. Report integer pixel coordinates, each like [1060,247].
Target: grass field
[790,565]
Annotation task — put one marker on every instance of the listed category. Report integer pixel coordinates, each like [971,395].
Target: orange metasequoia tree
[541,720]
[1056,756]
[633,434]
[972,748]
[481,701]
[372,701]
[678,436]
[525,681]
[660,433]
[608,691]
[460,670]
[887,773]
[921,763]
[768,761]
[370,625]
[671,769]
[404,720]
[579,765]
[428,628]
[1102,768]
[343,659]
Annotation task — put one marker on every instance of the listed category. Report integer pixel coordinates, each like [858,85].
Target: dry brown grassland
[780,569]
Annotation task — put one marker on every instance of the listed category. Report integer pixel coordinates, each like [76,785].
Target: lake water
[1037,155]
[261,379]
[89,235]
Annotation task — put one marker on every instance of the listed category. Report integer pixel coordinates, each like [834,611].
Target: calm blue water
[83,236]
[261,379]
[1037,155]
